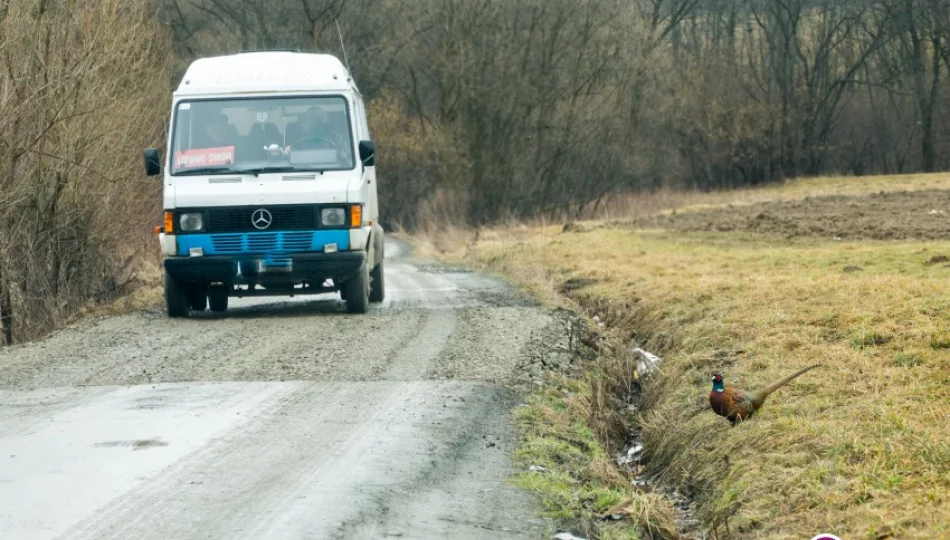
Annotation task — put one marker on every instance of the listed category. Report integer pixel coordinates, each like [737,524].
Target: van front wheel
[198,298]
[176,298]
[218,298]
[356,292]
[377,288]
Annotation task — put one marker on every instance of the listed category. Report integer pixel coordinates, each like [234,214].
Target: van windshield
[257,135]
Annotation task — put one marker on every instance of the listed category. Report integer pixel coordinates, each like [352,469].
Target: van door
[370,172]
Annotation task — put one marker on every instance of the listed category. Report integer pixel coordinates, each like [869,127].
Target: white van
[270,184]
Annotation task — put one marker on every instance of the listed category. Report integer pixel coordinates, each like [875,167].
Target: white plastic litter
[647,362]
[632,454]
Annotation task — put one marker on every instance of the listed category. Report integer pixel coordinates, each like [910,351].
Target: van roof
[267,71]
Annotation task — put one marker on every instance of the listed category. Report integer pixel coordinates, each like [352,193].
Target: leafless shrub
[82,90]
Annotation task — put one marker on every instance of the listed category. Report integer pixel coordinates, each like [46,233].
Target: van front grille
[284,218]
[229,244]
[297,241]
[262,242]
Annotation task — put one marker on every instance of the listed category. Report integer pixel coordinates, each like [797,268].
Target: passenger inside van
[264,134]
[261,135]
[217,132]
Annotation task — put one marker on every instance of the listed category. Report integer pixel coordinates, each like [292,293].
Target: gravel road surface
[278,419]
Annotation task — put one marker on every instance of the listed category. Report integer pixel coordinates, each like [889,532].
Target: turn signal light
[169,222]
[356,216]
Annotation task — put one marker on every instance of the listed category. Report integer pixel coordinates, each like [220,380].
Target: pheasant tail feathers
[782,382]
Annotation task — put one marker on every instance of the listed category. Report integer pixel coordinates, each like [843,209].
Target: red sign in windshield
[204,157]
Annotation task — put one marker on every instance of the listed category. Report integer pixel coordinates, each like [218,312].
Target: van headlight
[333,217]
[191,222]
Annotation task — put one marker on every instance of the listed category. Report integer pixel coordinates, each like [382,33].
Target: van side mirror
[368,153]
[153,163]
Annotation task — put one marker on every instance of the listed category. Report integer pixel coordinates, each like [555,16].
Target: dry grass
[146,292]
[578,480]
[860,447]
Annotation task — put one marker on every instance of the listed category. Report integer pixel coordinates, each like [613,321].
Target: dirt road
[278,419]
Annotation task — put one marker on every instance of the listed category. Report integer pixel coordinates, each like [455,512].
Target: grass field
[859,447]
[633,206]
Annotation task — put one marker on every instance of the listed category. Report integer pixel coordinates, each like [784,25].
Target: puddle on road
[142,444]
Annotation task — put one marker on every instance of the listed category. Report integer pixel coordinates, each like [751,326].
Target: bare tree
[81,92]
[918,32]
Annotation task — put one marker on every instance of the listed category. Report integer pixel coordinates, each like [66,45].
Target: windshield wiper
[249,170]
[258,170]
[205,170]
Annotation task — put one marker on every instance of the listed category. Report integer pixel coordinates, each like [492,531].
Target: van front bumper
[312,267]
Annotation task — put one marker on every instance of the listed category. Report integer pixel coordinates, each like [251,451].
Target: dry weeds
[859,448]
[83,88]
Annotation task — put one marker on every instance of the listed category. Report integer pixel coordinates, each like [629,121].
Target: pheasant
[736,404]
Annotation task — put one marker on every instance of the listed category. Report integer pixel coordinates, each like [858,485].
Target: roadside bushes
[421,158]
[83,88]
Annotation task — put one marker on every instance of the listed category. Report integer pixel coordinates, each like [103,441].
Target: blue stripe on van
[260,243]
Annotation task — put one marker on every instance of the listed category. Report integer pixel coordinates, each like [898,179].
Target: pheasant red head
[718,384]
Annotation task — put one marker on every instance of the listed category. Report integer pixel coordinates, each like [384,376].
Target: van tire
[342,289]
[356,292]
[218,298]
[198,298]
[176,298]
[377,287]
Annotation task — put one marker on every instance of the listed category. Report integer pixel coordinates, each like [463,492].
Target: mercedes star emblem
[261,219]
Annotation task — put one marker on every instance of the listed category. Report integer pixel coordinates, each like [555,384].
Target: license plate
[283,266]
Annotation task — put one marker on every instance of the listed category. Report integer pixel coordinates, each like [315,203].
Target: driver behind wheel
[312,131]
